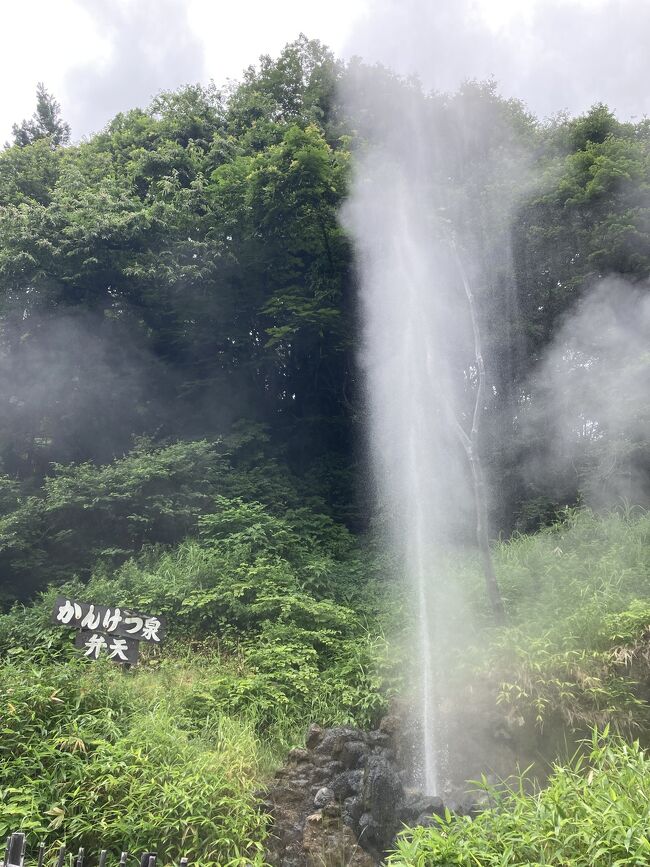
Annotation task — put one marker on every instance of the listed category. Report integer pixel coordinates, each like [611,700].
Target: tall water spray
[420,478]
[409,220]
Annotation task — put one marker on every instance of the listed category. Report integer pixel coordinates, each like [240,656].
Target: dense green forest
[182,431]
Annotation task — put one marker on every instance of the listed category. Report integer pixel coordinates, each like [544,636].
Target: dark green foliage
[84,513]
[589,217]
[184,270]
[221,261]
[155,495]
[287,596]
[267,622]
[279,593]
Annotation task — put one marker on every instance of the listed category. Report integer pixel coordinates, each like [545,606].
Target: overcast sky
[103,56]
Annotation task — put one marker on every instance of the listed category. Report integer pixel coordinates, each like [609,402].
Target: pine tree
[46,122]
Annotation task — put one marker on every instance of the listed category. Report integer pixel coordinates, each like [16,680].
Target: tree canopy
[183,274]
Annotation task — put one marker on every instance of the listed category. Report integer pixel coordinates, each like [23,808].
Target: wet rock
[298,755]
[347,783]
[320,776]
[382,794]
[481,800]
[464,807]
[390,725]
[425,820]
[314,736]
[353,754]
[370,834]
[351,811]
[324,760]
[334,740]
[416,805]
[323,796]
[379,739]
[340,800]
[327,843]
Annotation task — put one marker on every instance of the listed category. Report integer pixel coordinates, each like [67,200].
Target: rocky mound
[342,799]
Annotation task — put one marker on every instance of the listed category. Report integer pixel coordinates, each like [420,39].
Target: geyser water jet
[417,236]
[421,482]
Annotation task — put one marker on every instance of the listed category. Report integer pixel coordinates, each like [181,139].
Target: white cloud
[152,47]
[236,34]
[38,42]
[102,56]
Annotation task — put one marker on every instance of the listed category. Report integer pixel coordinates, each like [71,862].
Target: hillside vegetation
[174,750]
[182,432]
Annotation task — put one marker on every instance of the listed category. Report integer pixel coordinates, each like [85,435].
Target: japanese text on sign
[95,645]
[116,621]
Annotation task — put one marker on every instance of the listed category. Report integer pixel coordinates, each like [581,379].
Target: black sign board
[116,621]
[94,645]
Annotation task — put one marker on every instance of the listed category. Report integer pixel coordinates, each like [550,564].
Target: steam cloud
[554,54]
[589,412]
[428,180]
[71,387]
[430,172]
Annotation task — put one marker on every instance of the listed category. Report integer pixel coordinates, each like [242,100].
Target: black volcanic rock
[341,799]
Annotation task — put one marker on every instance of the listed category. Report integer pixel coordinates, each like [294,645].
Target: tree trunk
[470,444]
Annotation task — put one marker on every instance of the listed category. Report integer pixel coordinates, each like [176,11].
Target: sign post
[103,631]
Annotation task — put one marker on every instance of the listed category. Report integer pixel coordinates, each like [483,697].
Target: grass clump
[105,759]
[275,622]
[574,650]
[594,812]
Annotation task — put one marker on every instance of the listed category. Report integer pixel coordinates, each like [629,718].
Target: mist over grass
[593,810]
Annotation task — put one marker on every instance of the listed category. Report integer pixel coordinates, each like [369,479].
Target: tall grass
[575,653]
[593,813]
[578,600]
[104,758]
[168,756]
